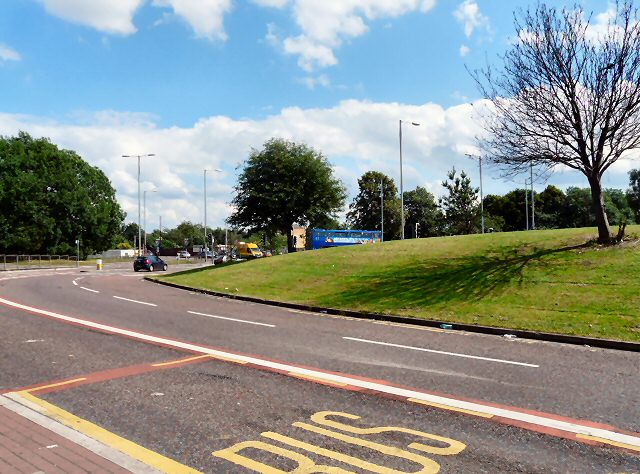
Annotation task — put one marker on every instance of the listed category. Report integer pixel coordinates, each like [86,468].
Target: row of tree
[458,211]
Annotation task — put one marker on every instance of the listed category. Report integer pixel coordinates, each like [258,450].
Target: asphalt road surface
[218,385]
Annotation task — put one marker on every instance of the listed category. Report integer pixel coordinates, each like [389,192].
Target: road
[219,385]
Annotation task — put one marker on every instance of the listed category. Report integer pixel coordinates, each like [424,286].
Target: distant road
[187,375]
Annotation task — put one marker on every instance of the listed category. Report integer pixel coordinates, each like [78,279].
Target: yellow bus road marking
[148,457]
[228,359]
[59,384]
[317,379]
[607,441]
[447,407]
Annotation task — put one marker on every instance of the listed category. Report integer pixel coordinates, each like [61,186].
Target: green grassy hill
[544,280]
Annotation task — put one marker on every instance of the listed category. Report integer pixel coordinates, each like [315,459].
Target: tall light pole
[533,205]
[526,204]
[415,124]
[139,228]
[381,212]
[481,196]
[144,221]
[205,213]
[416,230]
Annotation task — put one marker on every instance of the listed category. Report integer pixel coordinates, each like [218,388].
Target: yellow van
[249,250]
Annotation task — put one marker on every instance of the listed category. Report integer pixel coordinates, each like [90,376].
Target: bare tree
[568,94]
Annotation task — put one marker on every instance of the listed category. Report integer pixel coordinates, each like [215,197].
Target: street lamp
[139,156]
[144,224]
[381,212]
[205,212]
[481,196]
[415,124]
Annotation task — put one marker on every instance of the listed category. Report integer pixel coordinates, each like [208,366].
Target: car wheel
[165,267]
[150,268]
[135,269]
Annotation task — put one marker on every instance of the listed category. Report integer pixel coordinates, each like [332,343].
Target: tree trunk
[604,232]
[290,246]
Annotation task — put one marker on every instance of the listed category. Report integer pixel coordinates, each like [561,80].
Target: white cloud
[326,25]
[468,13]
[356,136]
[104,15]
[8,54]
[204,16]
[313,82]
[271,3]
[464,50]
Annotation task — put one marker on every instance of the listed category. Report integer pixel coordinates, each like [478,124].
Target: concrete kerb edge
[496,331]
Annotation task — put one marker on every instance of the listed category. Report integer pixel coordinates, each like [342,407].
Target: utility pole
[533,205]
[526,204]
[416,230]
[381,212]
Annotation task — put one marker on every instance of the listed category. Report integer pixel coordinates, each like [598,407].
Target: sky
[200,83]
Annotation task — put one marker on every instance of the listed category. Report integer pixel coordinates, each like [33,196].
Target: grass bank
[544,280]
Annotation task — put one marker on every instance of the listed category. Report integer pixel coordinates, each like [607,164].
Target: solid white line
[378,387]
[75,283]
[231,319]
[134,301]
[26,409]
[89,289]
[455,354]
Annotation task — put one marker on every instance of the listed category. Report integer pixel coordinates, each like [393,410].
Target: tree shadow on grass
[461,279]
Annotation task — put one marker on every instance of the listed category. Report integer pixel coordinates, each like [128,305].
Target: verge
[497,331]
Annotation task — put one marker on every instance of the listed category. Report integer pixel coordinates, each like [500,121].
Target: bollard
[99,264]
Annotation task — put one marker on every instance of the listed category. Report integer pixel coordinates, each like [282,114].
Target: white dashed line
[89,289]
[455,354]
[134,301]
[576,427]
[231,319]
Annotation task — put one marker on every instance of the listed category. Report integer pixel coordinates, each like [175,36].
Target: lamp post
[415,124]
[139,229]
[205,212]
[416,230]
[144,222]
[481,196]
[526,204]
[381,212]
[533,205]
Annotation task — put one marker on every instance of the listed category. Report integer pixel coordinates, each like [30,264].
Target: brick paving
[26,447]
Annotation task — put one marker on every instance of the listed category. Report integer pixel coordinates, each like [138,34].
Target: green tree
[548,208]
[633,193]
[460,205]
[422,209]
[365,212]
[55,197]
[563,99]
[283,184]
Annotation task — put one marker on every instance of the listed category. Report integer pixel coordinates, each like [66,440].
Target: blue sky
[201,82]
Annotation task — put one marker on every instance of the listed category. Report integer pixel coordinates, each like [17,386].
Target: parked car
[183,254]
[149,263]
[209,254]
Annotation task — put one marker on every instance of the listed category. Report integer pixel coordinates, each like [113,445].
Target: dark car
[150,263]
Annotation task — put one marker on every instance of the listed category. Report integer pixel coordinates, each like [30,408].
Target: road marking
[59,384]
[75,282]
[148,457]
[231,319]
[134,301]
[606,441]
[446,407]
[181,361]
[541,422]
[22,407]
[455,354]
[89,289]
[317,379]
